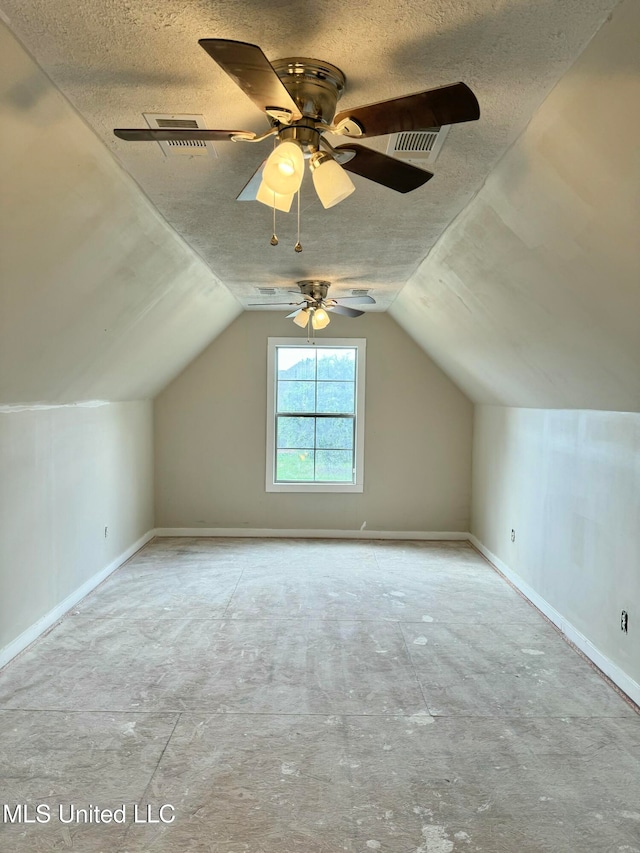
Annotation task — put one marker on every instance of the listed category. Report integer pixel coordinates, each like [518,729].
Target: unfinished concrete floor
[315,697]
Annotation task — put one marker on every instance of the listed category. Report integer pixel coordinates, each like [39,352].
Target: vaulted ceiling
[488,306]
[118,60]
[532,296]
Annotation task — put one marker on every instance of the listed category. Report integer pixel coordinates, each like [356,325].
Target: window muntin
[315,428]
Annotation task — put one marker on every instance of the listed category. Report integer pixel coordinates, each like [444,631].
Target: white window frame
[360,344]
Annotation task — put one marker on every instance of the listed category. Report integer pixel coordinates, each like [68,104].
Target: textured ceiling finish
[532,297]
[99,297]
[120,59]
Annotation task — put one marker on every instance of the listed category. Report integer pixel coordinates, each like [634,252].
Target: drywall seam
[266,533]
[48,620]
[613,673]
[39,407]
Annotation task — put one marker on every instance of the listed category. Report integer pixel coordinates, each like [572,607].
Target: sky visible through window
[315,414]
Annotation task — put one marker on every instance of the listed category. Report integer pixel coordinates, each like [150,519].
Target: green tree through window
[315,414]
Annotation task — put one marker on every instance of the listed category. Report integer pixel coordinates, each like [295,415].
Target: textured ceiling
[99,298]
[117,60]
[532,296]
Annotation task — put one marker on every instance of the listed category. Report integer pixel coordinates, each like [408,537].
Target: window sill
[315,487]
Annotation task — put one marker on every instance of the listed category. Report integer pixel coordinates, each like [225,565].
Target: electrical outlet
[513,536]
[106,532]
[624,621]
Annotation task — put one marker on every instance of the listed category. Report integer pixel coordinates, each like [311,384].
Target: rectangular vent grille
[419,146]
[267,291]
[417,140]
[177,147]
[176,122]
[182,123]
[361,291]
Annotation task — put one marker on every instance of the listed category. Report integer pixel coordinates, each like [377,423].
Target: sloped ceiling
[118,60]
[532,297]
[99,298]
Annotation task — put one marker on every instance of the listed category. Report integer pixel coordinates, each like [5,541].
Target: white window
[315,415]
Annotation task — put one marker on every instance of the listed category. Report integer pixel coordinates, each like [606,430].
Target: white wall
[531,296]
[99,300]
[66,473]
[568,483]
[210,438]
[99,297]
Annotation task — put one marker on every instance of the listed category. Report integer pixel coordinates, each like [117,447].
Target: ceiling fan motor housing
[303,131]
[316,289]
[314,85]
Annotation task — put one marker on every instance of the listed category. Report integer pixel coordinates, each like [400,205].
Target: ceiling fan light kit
[299,97]
[320,319]
[284,169]
[302,318]
[330,180]
[277,200]
[313,311]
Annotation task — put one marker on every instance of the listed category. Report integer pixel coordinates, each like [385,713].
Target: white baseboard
[628,686]
[43,624]
[268,533]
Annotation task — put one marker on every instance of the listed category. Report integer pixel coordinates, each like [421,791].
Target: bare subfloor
[314,697]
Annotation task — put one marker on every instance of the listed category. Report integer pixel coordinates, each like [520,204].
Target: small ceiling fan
[299,97]
[314,306]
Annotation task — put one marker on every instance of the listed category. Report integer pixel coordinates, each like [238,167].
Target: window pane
[334,465]
[294,465]
[296,396]
[336,363]
[334,433]
[335,397]
[294,363]
[295,432]
[315,428]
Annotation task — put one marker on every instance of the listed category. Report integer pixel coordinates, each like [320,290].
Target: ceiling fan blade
[269,304]
[342,309]
[384,170]
[250,69]
[361,300]
[293,314]
[167,134]
[308,299]
[250,189]
[433,108]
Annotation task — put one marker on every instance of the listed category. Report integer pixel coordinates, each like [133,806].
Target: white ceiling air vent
[420,147]
[267,291]
[360,291]
[184,147]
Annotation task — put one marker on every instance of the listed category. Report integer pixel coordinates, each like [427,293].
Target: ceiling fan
[314,306]
[299,97]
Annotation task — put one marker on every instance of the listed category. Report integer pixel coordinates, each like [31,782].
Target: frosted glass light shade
[302,318]
[331,182]
[271,199]
[320,319]
[284,169]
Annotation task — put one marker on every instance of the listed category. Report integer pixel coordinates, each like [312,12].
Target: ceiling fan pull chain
[274,237]
[298,245]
